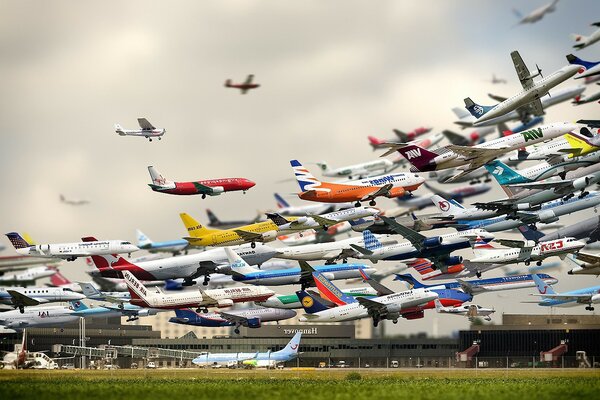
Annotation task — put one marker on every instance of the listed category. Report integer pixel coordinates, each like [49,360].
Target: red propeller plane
[244,87]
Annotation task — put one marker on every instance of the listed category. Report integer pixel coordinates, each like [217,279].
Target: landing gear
[375,323]
[22,309]
[203,196]
[206,280]
[188,282]
[149,139]
[237,331]
[329,262]
[562,175]
[253,245]
[325,228]
[372,203]
[527,263]
[345,261]
[567,197]
[533,227]
[478,273]
[395,321]
[539,263]
[583,194]
[159,138]
[202,310]
[357,204]
[589,308]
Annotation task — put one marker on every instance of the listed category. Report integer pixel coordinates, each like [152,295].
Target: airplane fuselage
[218,186]
[294,275]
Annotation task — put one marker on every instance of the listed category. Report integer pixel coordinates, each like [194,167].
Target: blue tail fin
[170,284]
[578,61]
[17,241]
[371,242]
[310,303]
[504,174]
[475,109]
[281,203]
[78,305]
[293,345]
[305,179]
[412,282]
[542,287]
[186,313]
[530,234]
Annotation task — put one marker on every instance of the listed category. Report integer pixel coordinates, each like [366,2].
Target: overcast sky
[331,73]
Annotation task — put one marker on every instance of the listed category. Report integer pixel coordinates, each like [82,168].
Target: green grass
[310,385]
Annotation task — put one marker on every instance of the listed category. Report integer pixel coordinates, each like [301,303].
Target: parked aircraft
[587,230]
[391,185]
[584,41]
[536,14]
[470,311]
[242,272]
[250,318]
[70,251]
[188,267]
[587,68]
[16,359]
[27,277]
[13,263]
[147,130]
[526,252]
[550,298]
[244,87]
[358,171]
[73,202]
[200,299]
[215,222]
[425,142]
[58,280]
[323,221]
[267,359]
[208,187]
[531,93]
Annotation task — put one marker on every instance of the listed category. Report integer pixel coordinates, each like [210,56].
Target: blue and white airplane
[481,285]
[267,359]
[550,298]
[172,246]
[242,272]
[588,68]
[250,318]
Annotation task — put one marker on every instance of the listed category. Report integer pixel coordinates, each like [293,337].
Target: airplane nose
[290,313]
[250,183]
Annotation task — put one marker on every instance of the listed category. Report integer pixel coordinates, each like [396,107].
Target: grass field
[285,385]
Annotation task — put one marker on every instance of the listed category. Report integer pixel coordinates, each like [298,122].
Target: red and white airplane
[244,87]
[147,130]
[210,187]
[403,137]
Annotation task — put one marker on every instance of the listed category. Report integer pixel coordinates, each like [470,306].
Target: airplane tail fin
[530,234]
[281,203]
[330,291]
[370,240]
[194,228]
[402,136]
[578,61]
[89,290]
[293,345]
[17,241]
[185,313]
[446,207]
[111,261]
[277,219]
[228,83]
[136,289]
[412,282]
[157,179]
[213,220]
[119,129]
[476,110]
[305,179]
[504,174]
[58,279]
[423,266]
[78,305]
[419,157]
[310,303]
[481,247]
[438,305]
[542,287]
[142,239]
[374,142]
[238,265]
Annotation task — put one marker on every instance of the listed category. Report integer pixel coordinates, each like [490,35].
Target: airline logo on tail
[135,286]
[444,205]
[477,109]
[305,179]
[413,153]
[498,170]
[482,244]
[307,302]
[371,242]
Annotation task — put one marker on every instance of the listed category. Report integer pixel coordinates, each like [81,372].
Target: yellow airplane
[258,232]
[582,143]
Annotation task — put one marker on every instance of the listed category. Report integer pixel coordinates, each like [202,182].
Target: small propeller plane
[244,87]
[147,130]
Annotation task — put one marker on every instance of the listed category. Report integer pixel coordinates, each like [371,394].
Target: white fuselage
[381,165]
[396,303]
[303,223]
[536,91]
[313,209]
[70,251]
[584,42]
[467,310]
[37,317]
[41,294]
[147,133]
[29,275]
[539,252]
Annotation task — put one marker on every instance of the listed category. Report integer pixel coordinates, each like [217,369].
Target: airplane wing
[382,191]
[414,237]
[20,300]
[536,108]
[580,298]
[235,319]
[527,217]
[145,125]
[323,221]
[588,258]
[203,189]
[512,243]
[477,153]
[499,99]
[306,274]
[522,70]
[556,185]
[381,289]
[374,308]
[249,80]
[456,138]
[249,236]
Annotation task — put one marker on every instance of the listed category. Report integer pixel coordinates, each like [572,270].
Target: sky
[331,73]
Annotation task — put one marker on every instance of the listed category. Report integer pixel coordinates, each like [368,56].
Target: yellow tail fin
[194,228]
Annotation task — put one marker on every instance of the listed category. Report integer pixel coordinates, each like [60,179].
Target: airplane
[358,171]
[208,187]
[469,158]
[426,142]
[200,299]
[242,272]
[585,41]
[584,264]
[321,221]
[250,318]
[70,251]
[21,297]
[291,301]
[265,231]
[402,136]
[284,208]
[474,137]
[390,185]
[536,14]
[92,293]
[244,87]
[73,202]
[391,306]
[41,316]
[16,359]
[587,68]
[419,202]
[27,277]
[495,80]
[588,230]
[147,130]
[18,262]
[531,93]
[437,249]
[172,246]
[477,286]
[215,222]
[550,298]
[60,281]
[188,267]
[525,113]
[526,252]
[584,100]
[468,310]
[267,359]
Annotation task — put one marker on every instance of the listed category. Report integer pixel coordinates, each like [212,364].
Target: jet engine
[302,220]
[224,303]
[269,236]
[254,322]
[432,242]
[584,181]
[414,315]
[218,189]
[453,260]
[547,216]
[524,207]
[596,298]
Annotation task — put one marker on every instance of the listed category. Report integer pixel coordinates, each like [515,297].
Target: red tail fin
[58,279]
[110,261]
[374,141]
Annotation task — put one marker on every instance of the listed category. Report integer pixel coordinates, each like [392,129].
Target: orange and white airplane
[389,185]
